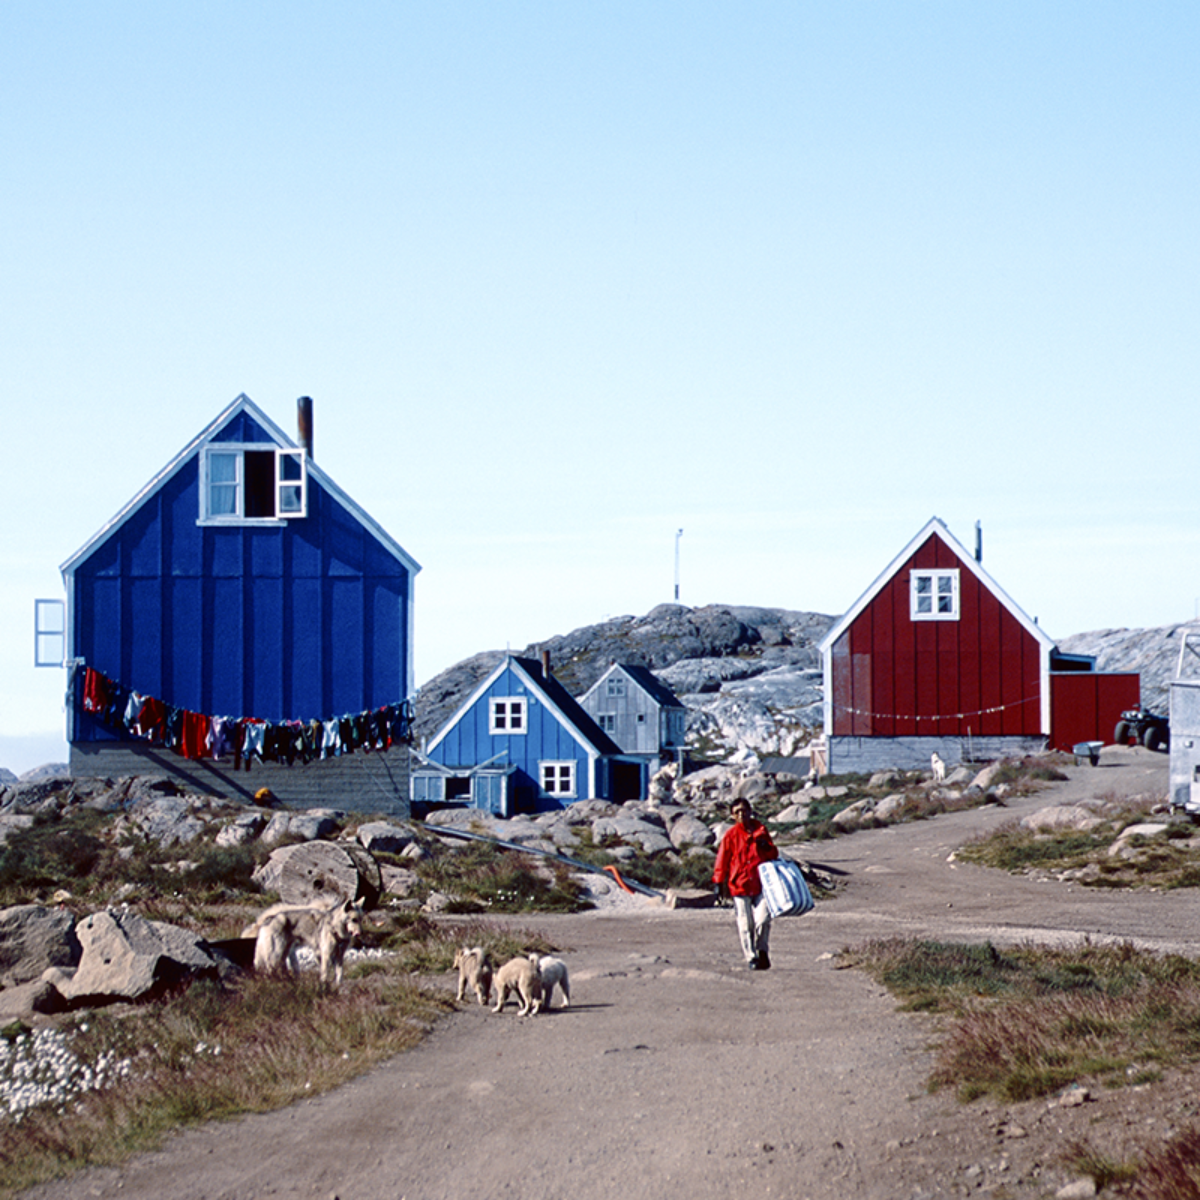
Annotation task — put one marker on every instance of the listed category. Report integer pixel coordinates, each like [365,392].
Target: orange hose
[617,876]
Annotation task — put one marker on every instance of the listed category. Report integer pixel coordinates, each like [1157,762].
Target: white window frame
[607,722]
[616,686]
[557,777]
[290,483]
[49,633]
[502,710]
[934,595]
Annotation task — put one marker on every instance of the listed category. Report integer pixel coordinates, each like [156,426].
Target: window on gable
[558,778]
[252,483]
[506,714]
[616,687]
[607,722]
[933,595]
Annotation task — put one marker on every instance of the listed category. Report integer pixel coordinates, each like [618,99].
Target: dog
[327,930]
[552,971]
[474,971]
[939,767]
[519,976]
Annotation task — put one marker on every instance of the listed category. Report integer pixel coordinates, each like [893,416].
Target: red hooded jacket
[738,856]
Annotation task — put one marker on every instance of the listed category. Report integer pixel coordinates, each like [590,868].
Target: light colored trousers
[753,924]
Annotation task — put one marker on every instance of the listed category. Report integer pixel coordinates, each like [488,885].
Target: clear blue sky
[562,279]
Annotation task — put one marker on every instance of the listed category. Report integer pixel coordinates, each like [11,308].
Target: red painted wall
[1085,706]
[896,677]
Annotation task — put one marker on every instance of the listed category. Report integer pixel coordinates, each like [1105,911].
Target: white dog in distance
[327,930]
[939,767]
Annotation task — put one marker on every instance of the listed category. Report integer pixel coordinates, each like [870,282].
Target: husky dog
[474,971]
[519,976]
[327,930]
[552,971]
[939,767]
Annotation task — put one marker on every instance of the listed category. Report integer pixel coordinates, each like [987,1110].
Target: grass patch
[78,853]
[200,1054]
[1028,1021]
[1164,861]
[1171,1171]
[481,877]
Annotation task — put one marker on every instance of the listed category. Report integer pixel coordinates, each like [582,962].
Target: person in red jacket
[742,848]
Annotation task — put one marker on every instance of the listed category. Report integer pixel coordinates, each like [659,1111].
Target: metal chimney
[545,664]
[304,423]
[979,541]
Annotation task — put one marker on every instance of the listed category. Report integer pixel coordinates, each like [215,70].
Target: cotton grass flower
[39,1068]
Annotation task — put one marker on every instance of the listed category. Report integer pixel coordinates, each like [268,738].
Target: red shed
[935,657]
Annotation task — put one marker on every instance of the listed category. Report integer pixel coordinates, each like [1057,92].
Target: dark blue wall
[305,619]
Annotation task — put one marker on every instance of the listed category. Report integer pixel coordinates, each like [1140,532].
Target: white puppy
[552,971]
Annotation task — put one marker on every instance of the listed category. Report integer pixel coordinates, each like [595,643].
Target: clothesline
[959,716]
[244,739]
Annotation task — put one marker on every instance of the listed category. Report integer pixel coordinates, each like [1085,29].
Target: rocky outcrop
[749,676]
[33,938]
[125,957]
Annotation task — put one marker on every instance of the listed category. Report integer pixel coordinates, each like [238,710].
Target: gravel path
[677,1073]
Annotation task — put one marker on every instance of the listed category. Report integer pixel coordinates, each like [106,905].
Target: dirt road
[678,1073]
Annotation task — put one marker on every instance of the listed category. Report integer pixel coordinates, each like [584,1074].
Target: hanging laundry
[95,691]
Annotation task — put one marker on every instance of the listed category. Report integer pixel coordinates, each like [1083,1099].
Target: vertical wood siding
[307,619]
[1085,706]
[468,742]
[977,676]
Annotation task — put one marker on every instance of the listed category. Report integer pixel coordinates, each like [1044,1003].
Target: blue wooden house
[241,583]
[521,743]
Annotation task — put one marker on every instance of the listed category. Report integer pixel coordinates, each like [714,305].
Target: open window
[49,633]
[239,484]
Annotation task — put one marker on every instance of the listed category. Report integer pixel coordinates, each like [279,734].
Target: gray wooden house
[638,711]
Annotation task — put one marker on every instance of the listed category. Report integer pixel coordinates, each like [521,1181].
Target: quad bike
[1143,727]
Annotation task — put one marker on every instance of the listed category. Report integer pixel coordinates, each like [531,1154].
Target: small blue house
[521,743]
[241,583]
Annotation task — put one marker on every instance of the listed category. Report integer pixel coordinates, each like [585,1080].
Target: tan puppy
[519,976]
[474,971]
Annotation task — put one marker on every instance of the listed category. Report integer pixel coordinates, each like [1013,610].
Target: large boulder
[316,872]
[689,830]
[385,837]
[126,957]
[1063,816]
[33,938]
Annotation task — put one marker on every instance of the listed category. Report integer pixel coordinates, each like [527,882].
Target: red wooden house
[934,656]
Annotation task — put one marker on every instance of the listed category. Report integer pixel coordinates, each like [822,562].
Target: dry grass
[1026,1022]
[1165,861]
[214,1051]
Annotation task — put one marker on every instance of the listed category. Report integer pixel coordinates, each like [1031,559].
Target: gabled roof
[936,527]
[243,404]
[646,680]
[551,693]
